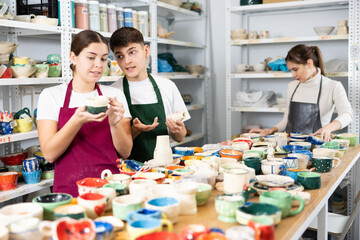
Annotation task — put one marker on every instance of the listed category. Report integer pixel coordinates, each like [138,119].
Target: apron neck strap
[318,98]
[68,93]
[127,90]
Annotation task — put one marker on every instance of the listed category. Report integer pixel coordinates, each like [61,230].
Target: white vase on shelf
[163,152]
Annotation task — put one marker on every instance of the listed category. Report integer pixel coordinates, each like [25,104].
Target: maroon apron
[91,151]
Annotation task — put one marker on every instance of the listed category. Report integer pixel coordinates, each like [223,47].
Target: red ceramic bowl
[230,153]
[87,185]
[160,236]
[14,158]
[8,180]
[248,141]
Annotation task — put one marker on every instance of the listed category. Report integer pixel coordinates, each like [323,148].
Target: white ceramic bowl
[270,167]
[195,69]
[15,212]
[323,30]
[22,71]
[7,47]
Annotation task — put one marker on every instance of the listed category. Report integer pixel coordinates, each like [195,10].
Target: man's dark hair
[124,36]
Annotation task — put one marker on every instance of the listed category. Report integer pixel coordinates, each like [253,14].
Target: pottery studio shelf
[258,8]
[255,109]
[191,138]
[19,136]
[29,81]
[195,107]
[23,189]
[278,74]
[170,11]
[240,42]
[179,43]
[181,75]
[39,28]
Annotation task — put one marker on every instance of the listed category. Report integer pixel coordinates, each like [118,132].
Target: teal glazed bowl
[120,188]
[250,2]
[247,212]
[310,180]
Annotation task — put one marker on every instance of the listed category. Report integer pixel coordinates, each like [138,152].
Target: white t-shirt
[143,92]
[333,96]
[52,99]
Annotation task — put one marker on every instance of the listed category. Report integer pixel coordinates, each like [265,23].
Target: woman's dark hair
[300,54]
[124,36]
[83,39]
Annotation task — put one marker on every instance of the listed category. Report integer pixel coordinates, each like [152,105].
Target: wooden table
[290,227]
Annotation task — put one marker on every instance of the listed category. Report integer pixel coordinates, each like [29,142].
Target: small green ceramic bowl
[310,180]
[96,110]
[203,193]
[245,213]
[120,188]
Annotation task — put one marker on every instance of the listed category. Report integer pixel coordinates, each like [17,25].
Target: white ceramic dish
[272,180]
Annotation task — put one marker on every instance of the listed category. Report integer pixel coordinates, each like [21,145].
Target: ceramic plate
[273,180]
[296,187]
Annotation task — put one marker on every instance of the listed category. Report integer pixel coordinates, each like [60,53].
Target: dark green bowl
[250,2]
[96,110]
[310,180]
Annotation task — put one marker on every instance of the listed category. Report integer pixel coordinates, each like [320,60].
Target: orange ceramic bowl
[230,153]
[173,167]
[191,158]
[8,180]
[198,149]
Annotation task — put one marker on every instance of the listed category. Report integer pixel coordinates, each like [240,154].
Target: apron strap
[68,93]
[318,98]
[319,91]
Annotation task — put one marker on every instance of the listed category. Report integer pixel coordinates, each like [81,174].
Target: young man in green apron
[150,98]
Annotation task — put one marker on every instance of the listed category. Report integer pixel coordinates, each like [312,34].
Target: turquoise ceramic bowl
[245,213]
[120,188]
[310,180]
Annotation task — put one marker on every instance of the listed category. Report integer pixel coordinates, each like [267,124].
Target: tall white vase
[163,152]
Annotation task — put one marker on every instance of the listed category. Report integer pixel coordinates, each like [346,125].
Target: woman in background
[312,97]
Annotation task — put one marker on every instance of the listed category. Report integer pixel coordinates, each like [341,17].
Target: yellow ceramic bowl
[191,158]
[23,125]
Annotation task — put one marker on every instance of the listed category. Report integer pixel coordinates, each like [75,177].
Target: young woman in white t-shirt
[82,144]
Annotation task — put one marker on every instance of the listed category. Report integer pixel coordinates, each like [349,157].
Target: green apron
[144,143]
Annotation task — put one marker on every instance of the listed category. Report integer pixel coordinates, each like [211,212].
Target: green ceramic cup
[322,164]
[50,201]
[353,137]
[226,205]
[125,204]
[120,188]
[255,163]
[309,180]
[282,200]
[331,145]
[261,153]
[203,193]
[245,213]
[95,110]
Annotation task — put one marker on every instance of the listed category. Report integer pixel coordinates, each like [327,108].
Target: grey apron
[304,117]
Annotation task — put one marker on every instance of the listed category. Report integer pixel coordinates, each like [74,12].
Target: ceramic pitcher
[163,153]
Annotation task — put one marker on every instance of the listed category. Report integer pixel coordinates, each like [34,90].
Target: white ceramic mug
[259,67]
[186,195]
[109,194]
[115,178]
[241,67]
[325,152]
[140,187]
[264,34]
[271,167]
[94,204]
[234,180]
[27,228]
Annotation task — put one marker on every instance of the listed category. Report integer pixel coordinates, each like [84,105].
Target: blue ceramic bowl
[184,151]
[314,140]
[103,230]
[32,177]
[292,148]
[134,165]
[143,213]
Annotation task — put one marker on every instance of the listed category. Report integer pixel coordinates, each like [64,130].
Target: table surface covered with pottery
[208,216]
